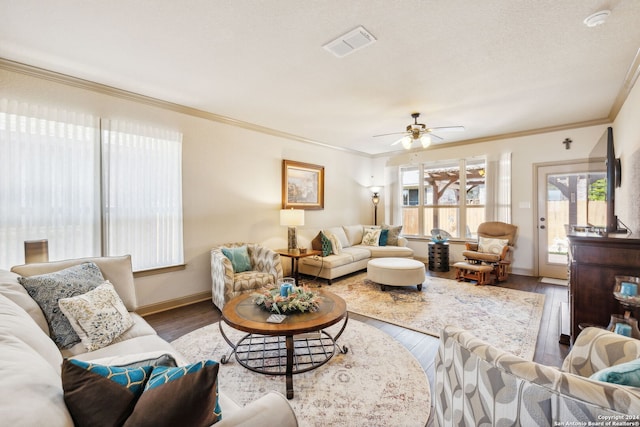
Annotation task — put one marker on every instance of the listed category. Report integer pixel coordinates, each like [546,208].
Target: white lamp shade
[407,141]
[291,217]
[425,140]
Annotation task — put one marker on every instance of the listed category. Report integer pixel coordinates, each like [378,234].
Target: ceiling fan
[420,132]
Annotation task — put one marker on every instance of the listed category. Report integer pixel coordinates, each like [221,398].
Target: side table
[438,256]
[295,257]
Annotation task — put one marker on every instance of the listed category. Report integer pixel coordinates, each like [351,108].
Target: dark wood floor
[174,323]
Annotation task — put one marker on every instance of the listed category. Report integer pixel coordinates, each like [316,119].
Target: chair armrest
[272,409]
[596,349]
[221,277]
[471,246]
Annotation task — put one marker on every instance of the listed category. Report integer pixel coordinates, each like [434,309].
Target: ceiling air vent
[350,42]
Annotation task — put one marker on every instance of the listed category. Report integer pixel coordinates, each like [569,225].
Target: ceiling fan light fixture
[425,140]
[407,141]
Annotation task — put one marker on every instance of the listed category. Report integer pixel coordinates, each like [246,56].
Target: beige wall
[231,180]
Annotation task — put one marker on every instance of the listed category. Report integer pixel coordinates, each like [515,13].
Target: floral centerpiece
[300,299]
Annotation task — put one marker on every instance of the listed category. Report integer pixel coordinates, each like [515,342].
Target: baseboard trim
[174,303]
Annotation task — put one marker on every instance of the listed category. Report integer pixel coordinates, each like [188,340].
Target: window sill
[159,270]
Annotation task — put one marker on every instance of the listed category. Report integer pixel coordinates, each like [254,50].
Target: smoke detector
[350,42]
[597,18]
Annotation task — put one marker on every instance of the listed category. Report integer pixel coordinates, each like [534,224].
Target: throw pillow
[239,258]
[98,317]
[491,246]
[98,395]
[48,289]
[394,233]
[371,237]
[336,245]
[384,237]
[624,374]
[326,247]
[185,395]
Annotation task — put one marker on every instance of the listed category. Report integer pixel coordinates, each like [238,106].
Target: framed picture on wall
[302,185]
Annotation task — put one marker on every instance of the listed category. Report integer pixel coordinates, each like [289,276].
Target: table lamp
[291,218]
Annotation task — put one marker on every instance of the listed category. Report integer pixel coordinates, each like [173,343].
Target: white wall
[231,180]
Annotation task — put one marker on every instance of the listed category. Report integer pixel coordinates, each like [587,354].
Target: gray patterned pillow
[47,289]
[394,233]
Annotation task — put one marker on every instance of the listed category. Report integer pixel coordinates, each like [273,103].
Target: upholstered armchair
[478,384]
[494,247]
[265,269]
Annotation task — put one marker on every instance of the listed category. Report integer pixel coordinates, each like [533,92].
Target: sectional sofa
[30,362]
[354,254]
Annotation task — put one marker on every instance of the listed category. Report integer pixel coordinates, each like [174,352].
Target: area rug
[376,383]
[505,318]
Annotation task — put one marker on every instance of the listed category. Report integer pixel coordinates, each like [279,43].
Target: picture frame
[302,185]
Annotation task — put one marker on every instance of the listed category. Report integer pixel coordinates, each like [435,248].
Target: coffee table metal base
[284,355]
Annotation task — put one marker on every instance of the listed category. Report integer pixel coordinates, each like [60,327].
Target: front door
[568,194]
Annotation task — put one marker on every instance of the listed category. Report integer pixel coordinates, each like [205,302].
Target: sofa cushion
[354,233]
[116,269]
[331,261]
[98,317]
[340,234]
[358,252]
[239,258]
[12,289]
[48,289]
[137,345]
[394,234]
[390,251]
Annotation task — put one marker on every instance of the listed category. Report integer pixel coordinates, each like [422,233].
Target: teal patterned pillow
[327,249]
[48,289]
[98,395]
[239,258]
[184,395]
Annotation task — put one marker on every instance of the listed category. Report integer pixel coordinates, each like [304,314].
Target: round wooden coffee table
[298,344]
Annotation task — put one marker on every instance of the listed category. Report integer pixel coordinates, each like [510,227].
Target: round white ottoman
[396,272]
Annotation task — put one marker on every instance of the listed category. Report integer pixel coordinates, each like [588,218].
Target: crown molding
[629,81]
[77,82]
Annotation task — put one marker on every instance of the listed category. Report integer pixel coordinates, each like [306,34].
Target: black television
[613,181]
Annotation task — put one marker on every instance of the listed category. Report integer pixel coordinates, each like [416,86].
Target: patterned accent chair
[266,269]
[477,384]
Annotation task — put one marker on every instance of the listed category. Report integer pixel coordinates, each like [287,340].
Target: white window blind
[49,181]
[142,191]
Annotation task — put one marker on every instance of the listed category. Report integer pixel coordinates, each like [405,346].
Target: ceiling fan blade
[448,129]
[397,141]
[435,138]
[387,134]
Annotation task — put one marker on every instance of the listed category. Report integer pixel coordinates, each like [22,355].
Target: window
[451,201]
[50,187]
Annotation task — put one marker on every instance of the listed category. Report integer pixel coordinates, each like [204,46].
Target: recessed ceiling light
[597,18]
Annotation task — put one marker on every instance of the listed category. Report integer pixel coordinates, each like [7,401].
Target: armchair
[480,384]
[493,248]
[266,269]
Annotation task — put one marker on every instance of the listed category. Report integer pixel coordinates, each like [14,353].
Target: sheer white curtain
[49,181]
[142,191]
[503,189]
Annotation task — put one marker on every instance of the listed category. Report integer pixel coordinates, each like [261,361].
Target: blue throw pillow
[384,236]
[239,258]
[624,374]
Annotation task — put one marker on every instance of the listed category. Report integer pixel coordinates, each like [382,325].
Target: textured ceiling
[495,67]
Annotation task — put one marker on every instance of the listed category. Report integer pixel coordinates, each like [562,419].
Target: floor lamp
[36,251]
[291,218]
[375,199]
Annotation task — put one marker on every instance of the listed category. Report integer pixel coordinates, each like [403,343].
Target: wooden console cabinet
[594,261]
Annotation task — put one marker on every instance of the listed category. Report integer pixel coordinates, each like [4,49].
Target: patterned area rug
[376,383]
[505,318]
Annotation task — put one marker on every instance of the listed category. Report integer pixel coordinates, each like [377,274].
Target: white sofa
[354,255]
[30,362]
